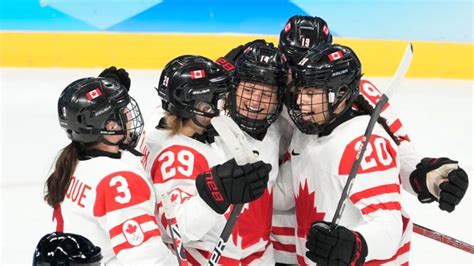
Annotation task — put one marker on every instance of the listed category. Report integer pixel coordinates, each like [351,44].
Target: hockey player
[255,102]
[202,181]
[320,102]
[66,249]
[93,193]
[430,179]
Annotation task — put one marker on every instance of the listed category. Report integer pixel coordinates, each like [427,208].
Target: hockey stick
[450,241]
[174,229]
[240,149]
[399,74]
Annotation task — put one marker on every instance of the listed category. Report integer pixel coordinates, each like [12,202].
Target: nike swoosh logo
[294,153]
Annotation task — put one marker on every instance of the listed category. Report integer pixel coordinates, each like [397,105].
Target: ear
[112,125]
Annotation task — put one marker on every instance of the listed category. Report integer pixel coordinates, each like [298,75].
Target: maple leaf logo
[306,211]
[131,229]
[174,196]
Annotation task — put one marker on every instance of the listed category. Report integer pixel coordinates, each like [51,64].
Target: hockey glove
[230,183]
[340,246]
[439,179]
[120,75]
[228,61]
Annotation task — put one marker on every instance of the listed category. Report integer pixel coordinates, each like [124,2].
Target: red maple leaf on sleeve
[131,229]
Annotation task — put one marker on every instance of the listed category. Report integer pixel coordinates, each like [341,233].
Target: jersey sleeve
[376,195]
[124,206]
[408,154]
[174,171]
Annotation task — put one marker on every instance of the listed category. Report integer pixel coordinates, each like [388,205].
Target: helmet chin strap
[122,146]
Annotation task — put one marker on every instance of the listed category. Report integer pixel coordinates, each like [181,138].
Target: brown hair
[366,108]
[58,181]
[174,123]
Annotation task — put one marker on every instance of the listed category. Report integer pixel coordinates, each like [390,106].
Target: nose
[256,97]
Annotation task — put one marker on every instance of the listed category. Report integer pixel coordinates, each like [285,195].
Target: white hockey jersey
[174,162]
[113,205]
[283,223]
[320,167]
[409,158]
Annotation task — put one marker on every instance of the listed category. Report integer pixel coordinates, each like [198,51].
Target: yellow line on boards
[153,51]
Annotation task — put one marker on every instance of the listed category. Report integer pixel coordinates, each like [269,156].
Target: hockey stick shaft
[450,241]
[399,74]
[174,229]
[240,149]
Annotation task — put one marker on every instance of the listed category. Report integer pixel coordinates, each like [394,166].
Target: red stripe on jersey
[126,245]
[117,230]
[191,259]
[392,205]
[58,216]
[120,190]
[300,260]
[374,191]
[395,126]
[283,231]
[284,247]
[178,162]
[402,250]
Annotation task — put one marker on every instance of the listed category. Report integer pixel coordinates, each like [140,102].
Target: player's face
[256,100]
[313,103]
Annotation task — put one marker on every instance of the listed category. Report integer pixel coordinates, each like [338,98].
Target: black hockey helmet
[301,33]
[262,63]
[86,105]
[334,68]
[66,249]
[190,80]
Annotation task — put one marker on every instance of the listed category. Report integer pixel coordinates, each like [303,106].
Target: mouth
[307,116]
[253,110]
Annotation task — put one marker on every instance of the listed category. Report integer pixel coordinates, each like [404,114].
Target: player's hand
[230,183]
[120,75]
[340,246]
[439,179]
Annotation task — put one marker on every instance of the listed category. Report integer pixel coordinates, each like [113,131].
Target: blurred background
[47,44]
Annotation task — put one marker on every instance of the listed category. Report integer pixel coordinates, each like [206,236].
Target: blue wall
[430,20]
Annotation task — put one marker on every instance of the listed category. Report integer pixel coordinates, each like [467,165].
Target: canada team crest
[132,231]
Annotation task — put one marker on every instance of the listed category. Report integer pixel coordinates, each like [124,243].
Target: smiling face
[256,100]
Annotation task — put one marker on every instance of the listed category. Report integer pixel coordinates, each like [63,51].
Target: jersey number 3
[121,185]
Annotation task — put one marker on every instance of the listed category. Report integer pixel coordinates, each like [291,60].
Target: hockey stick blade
[398,76]
[401,70]
[450,241]
[237,143]
[234,139]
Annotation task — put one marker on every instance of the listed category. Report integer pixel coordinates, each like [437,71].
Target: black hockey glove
[120,75]
[228,61]
[229,183]
[340,246]
[439,179]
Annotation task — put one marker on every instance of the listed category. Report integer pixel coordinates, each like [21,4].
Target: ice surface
[437,113]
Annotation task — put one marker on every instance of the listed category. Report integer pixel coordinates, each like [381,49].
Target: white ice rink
[437,114]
